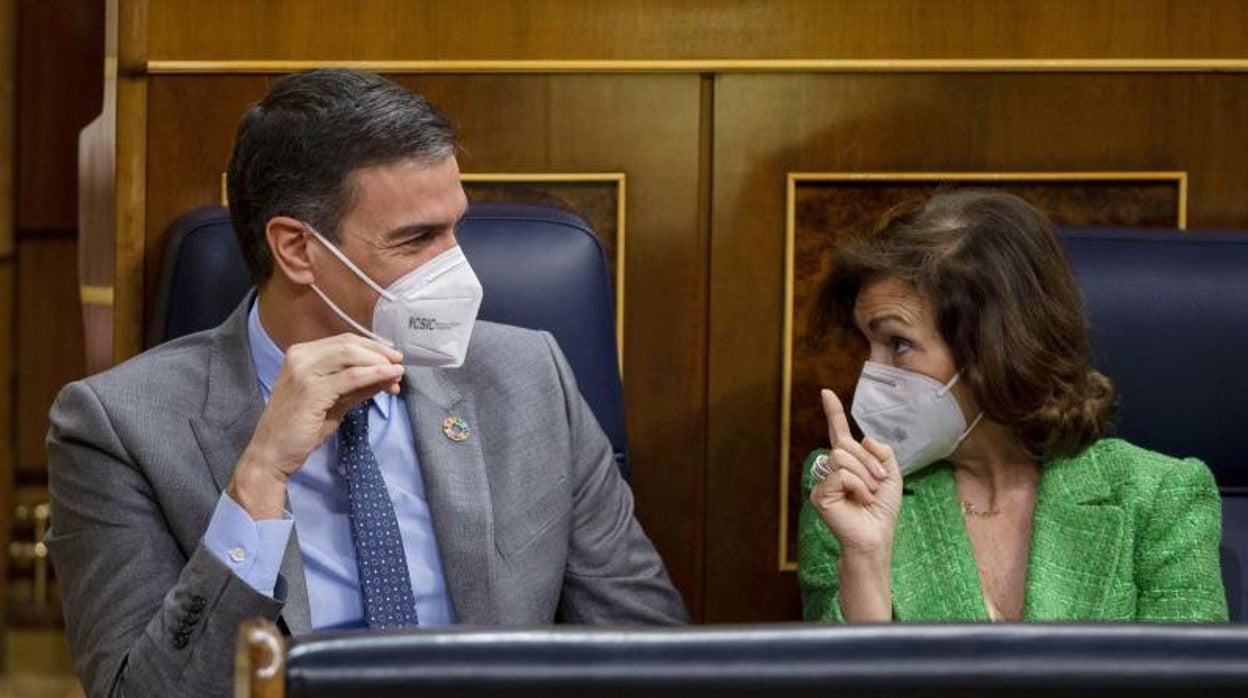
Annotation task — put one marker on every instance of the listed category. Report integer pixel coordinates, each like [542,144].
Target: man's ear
[288,240]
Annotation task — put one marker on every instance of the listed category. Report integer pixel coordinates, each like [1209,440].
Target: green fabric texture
[1119,533]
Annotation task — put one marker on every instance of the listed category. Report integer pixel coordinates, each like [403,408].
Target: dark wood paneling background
[543,124]
[769,125]
[828,213]
[599,203]
[59,51]
[8,80]
[706,158]
[60,48]
[694,29]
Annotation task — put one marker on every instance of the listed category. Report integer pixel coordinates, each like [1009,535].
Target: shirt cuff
[251,549]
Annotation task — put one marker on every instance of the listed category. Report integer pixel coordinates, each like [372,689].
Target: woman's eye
[900,345]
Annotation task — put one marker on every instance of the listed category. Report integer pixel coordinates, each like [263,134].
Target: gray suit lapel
[457,490]
[233,402]
[232,408]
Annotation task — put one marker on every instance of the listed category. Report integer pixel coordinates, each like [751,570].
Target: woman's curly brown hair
[1005,301]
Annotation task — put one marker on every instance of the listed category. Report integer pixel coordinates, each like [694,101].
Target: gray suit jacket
[533,521]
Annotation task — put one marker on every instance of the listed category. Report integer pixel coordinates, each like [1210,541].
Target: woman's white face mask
[915,415]
[427,314]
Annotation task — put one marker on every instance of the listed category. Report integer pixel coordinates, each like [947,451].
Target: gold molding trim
[543,177]
[1110,176]
[96,295]
[814,65]
[621,198]
[790,230]
[786,370]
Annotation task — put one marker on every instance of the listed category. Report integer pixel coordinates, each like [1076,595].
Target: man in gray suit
[284,466]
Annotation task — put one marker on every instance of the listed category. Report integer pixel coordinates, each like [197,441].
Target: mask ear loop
[347,319]
[968,429]
[334,306]
[333,249]
[948,387]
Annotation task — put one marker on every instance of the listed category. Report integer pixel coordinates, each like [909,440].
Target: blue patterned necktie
[384,581]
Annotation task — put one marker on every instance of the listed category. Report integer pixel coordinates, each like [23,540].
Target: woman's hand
[859,500]
[861,496]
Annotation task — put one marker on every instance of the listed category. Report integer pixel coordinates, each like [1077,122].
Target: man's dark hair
[296,149]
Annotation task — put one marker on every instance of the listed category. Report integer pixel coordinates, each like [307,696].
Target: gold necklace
[969,509]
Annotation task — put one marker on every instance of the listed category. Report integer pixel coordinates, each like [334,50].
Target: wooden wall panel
[8,125]
[769,125]
[8,80]
[645,126]
[830,210]
[59,89]
[705,147]
[58,48]
[597,198]
[694,29]
[49,342]
[8,399]
[60,86]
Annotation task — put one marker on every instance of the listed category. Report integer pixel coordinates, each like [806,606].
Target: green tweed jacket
[1119,533]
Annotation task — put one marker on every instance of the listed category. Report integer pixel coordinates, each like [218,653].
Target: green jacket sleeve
[1178,575]
[817,556]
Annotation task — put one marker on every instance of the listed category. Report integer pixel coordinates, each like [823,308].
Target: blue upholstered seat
[541,268]
[1169,315]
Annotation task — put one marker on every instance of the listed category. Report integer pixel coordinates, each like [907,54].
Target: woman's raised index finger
[838,423]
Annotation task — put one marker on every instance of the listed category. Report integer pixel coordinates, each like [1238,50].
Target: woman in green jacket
[984,488]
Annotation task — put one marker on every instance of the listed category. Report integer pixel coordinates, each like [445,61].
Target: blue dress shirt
[319,506]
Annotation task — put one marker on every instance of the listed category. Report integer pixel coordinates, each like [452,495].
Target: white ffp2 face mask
[915,415]
[427,314]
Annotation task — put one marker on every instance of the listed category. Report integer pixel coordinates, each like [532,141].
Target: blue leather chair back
[541,268]
[1169,316]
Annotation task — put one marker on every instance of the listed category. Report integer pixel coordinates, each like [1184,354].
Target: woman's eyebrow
[874,323]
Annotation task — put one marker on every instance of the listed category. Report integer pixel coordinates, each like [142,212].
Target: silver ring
[819,469]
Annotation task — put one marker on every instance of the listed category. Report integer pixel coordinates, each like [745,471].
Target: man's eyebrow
[411,231]
[404,232]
